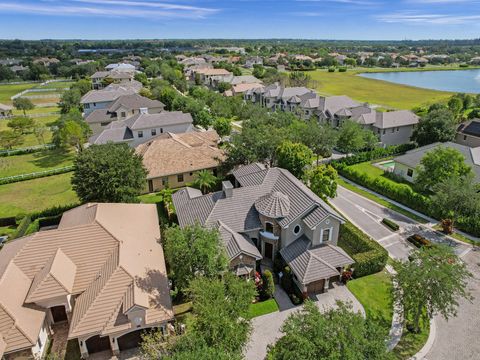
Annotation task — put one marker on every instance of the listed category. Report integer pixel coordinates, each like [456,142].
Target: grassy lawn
[34,195]
[51,99]
[262,308]
[375,294]
[377,92]
[58,85]
[7,230]
[411,343]
[30,139]
[182,308]
[7,91]
[381,201]
[35,162]
[37,110]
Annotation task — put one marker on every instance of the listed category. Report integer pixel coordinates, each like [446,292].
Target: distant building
[468,133]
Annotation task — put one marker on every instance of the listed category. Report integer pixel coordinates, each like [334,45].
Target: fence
[36,175]
[26,150]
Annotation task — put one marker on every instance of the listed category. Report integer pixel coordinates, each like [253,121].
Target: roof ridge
[2,305]
[320,259]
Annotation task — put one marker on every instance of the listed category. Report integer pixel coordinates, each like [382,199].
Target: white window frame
[329,234]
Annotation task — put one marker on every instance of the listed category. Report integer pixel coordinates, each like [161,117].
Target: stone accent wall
[276,228]
[247,260]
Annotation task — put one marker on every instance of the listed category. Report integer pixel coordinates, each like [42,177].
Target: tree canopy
[194,251]
[437,126]
[295,157]
[322,180]
[335,334]
[430,283]
[108,173]
[439,164]
[24,104]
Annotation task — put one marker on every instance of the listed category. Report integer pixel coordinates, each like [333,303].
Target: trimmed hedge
[392,225]
[374,154]
[53,211]
[419,241]
[8,221]
[37,175]
[5,153]
[370,257]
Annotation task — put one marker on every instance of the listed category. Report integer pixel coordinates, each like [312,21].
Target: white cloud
[437,19]
[115,8]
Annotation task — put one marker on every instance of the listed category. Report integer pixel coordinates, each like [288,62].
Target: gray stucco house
[406,165]
[468,133]
[270,213]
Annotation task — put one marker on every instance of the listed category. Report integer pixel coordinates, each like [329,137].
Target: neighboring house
[46,61]
[122,108]
[116,76]
[250,62]
[120,67]
[19,68]
[172,160]
[270,213]
[5,110]
[243,79]
[468,133]
[241,89]
[392,128]
[102,99]
[140,128]
[102,271]
[211,77]
[406,165]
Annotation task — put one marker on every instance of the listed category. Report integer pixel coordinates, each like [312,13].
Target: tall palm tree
[205,180]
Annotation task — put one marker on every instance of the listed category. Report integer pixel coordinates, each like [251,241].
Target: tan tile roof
[241,88]
[171,154]
[55,279]
[211,72]
[109,254]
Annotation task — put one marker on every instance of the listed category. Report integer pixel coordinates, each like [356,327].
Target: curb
[428,345]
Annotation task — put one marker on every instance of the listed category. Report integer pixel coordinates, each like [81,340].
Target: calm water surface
[466,81]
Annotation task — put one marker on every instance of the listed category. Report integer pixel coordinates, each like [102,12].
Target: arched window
[269,227]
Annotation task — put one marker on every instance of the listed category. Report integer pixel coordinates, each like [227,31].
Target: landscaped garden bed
[390,224]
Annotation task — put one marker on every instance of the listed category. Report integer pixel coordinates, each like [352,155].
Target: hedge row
[53,211]
[405,195]
[377,153]
[391,224]
[370,257]
[22,227]
[13,179]
[5,153]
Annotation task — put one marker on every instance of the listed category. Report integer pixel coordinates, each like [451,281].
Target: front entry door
[58,313]
[268,251]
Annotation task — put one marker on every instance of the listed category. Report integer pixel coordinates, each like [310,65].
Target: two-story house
[122,108]
[468,133]
[143,126]
[270,213]
[101,272]
[102,99]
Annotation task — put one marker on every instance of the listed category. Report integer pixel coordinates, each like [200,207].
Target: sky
[245,19]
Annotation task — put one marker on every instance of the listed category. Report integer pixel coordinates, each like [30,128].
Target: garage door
[131,340]
[96,344]
[316,287]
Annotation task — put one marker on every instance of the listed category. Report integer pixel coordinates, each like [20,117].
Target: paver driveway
[266,328]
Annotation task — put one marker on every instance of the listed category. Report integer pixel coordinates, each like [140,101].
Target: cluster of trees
[71,98]
[451,184]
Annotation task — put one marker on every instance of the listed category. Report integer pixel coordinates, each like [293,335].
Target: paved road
[368,215]
[459,337]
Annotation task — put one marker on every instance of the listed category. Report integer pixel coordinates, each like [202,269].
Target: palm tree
[205,180]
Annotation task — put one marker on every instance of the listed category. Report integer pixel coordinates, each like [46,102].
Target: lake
[464,81]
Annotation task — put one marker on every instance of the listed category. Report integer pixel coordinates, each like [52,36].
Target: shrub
[49,221]
[342,69]
[287,280]
[8,221]
[53,211]
[268,288]
[419,241]
[22,227]
[392,225]
[331,69]
[369,256]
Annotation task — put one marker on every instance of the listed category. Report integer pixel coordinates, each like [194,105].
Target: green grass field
[376,92]
[37,110]
[30,139]
[34,195]
[7,91]
[375,294]
[35,162]
[58,85]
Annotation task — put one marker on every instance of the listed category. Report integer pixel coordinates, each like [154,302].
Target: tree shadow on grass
[51,158]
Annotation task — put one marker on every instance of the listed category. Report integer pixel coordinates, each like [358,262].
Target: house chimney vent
[227,188]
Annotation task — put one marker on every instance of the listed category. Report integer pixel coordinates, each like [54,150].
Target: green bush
[331,69]
[53,211]
[392,225]
[268,287]
[342,69]
[287,280]
[22,227]
[370,257]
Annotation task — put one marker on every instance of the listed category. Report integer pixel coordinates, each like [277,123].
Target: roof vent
[143,110]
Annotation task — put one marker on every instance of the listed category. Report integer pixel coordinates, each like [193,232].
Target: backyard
[382,93]
[8,90]
[30,139]
[35,195]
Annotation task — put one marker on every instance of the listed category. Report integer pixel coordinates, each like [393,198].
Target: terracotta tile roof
[109,254]
[171,154]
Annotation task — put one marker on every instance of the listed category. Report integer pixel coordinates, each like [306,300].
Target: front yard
[262,308]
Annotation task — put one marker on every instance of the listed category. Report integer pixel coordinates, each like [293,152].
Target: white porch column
[114,345]
[325,287]
[83,348]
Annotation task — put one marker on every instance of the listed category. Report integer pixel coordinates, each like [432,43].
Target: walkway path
[267,328]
